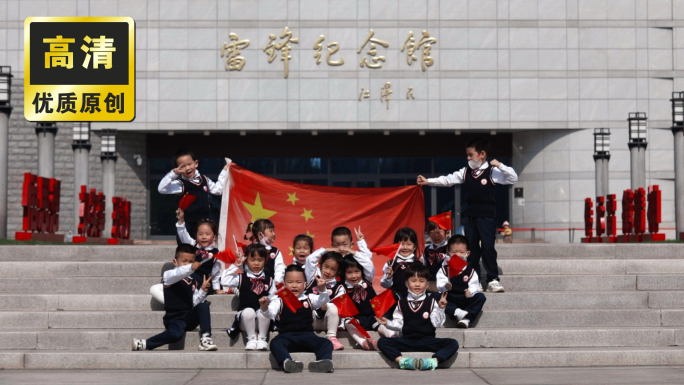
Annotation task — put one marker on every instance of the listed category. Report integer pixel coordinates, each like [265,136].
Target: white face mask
[475,164]
[264,241]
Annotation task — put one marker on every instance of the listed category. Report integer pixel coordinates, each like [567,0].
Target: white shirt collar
[416,297]
[435,246]
[250,274]
[484,165]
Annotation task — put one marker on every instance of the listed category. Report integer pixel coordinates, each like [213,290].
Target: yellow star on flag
[309,234]
[257,209]
[307,214]
[291,250]
[292,198]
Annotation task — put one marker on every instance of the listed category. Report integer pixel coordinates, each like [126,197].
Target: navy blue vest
[480,198]
[178,297]
[433,259]
[199,208]
[398,279]
[364,305]
[248,298]
[201,255]
[459,283]
[269,268]
[301,321]
[417,322]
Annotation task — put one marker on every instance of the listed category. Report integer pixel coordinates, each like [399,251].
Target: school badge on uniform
[79,69]
[484,182]
[426,315]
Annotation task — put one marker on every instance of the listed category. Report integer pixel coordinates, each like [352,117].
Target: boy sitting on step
[184,303]
[464,299]
[417,316]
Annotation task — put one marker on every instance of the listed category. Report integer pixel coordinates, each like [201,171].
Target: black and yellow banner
[79,69]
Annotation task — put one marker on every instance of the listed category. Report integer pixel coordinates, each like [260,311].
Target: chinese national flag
[388,251]
[383,302]
[185,201]
[226,256]
[360,328]
[456,265]
[345,306]
[297,208]
[289,299]
[443,220]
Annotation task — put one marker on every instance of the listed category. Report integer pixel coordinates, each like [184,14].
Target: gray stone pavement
[514,376]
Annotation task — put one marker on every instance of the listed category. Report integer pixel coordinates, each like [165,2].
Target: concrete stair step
[512,283]
[97,339]
[590,251]
[163,253]
[466,357]
[495,301]
[72,253]
[506,267]
[224,319]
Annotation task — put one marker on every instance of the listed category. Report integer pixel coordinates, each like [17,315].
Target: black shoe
[322,366]
[290,366]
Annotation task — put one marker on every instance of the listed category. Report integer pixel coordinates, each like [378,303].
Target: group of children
[424,289]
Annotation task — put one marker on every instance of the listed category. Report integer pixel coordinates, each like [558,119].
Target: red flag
[289,299]
[360,328]
[442,220]
[345,306]
[388,251]
[226,256]
[185,201]
[297,208]
[456,265]
[382,302]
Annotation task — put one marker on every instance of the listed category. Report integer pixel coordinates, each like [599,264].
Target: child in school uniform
[417,316]
[438,229]
[464,299]
[358,284]
[185,304]
[326,267]
[295,329]
[480,178]
[393,270]
[186,179]
[263,231]
[253,285]
[205,249]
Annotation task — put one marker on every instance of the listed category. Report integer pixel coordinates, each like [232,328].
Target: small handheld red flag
[382,302]
[360,328]
[456,265]
[345,306]
[185,201]
[388,251]
[226,256]
[442,220]
[289,299]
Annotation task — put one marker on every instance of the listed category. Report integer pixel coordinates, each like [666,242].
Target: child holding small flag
[393,270]
[205,250]
[439,229]
[293,310]
[185,304]
[459,280]
[480,179]
[186,179]
[417,315]
[254,287]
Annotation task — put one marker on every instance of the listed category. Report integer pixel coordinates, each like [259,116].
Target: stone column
[46,132]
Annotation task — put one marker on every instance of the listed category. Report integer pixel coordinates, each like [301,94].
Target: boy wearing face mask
[464,301]
[480,179]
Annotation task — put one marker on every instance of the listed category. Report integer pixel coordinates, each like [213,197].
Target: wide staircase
[79,307]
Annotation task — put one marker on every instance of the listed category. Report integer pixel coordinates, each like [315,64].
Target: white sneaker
[463,324]
[495,287]
[206,344]
[138,345]
[251,343]
[262,344]
[459,314]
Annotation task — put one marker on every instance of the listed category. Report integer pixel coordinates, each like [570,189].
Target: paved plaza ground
[514,376]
